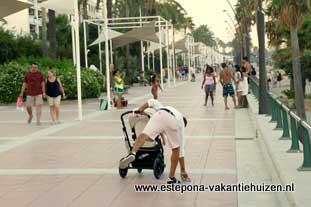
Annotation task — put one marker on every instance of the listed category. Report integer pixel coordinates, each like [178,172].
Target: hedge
[12,74]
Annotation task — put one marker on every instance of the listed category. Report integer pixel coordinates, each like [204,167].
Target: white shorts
[34,100]
[54,100]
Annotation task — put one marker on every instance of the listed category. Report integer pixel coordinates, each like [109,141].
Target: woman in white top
[244,83]
[238,78]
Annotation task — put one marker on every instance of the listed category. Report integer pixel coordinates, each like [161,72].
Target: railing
[294,128]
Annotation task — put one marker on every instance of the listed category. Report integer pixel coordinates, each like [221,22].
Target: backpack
[253,71]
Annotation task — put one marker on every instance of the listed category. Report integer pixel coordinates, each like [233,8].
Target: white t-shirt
[155,104]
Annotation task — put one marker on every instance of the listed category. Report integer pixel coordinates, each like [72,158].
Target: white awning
[111,35]
[153,47]
[147,32]
[181,45]
[8,7]
[60,6]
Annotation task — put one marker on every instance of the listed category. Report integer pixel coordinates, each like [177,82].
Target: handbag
[20,104]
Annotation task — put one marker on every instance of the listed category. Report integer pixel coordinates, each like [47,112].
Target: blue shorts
[118,90]
[228,90]
[209,88]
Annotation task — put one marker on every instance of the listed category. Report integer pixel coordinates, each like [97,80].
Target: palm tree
[151,7]
[188,24]
[246,16]
[83,5]
[109,8]
[127,54]
[290,13]
[52,34]
[205,35]
[263,105]
[43,41]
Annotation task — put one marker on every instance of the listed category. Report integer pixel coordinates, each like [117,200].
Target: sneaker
[30,119]
[172,180]
[38,123]
[125,161]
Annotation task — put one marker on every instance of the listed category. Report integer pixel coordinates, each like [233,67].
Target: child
[155,85]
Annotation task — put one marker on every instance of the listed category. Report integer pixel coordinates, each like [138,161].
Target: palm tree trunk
[43,41]
[299,98]
[84,9]
[263,105]
[52,34]
[109,8]
[248,46]
[116,3]
[127,55]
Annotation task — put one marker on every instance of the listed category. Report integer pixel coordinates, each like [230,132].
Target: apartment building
[25,22]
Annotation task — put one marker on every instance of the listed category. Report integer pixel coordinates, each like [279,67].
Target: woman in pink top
[209,84]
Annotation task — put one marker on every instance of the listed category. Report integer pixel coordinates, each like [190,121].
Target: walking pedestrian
[209,84]
[34,82]
[170,122]
[226,81]
[54,92]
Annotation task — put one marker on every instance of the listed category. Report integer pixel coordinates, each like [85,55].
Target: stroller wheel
[139,170]
[158,168]
[123,172]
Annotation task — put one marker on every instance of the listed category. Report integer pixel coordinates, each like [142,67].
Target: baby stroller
[150,156]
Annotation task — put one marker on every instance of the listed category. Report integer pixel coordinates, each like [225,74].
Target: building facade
[26,23]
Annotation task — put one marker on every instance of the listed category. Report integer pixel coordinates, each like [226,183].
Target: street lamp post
[229,17]
[106,54]
[230,27]
[78,66]
[231,7]
[245,38]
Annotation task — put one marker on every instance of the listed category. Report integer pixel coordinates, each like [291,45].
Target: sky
[210,12]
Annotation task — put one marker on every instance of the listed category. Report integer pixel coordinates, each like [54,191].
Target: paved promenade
[76,163]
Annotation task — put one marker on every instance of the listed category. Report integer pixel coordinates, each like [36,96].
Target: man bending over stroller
[168,121]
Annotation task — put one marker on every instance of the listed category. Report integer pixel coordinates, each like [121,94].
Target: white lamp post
[160,45]
[100,52]
[168,56]
[85,45]
[107,53]
[77,46]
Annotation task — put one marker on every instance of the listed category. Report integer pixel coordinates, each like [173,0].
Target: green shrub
[16,46]
[12,73]
[290,94]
